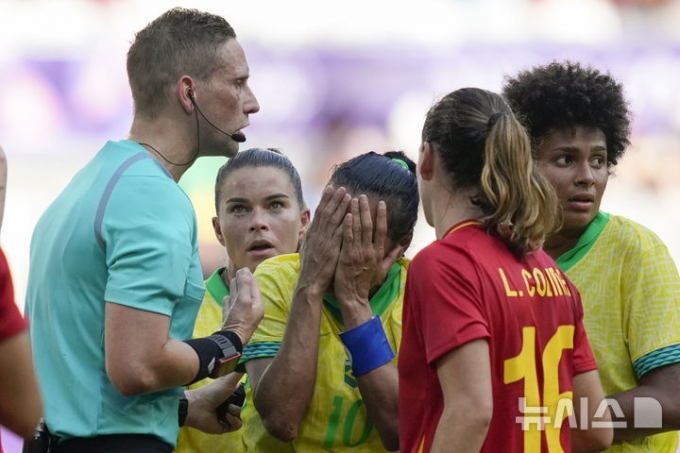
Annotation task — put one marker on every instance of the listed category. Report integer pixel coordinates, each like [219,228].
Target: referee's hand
[203,404]
[242,311]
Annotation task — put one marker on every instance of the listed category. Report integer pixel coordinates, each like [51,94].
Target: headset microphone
[236,136]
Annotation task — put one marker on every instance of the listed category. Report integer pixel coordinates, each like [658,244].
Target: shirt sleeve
[149,229]
[652,323]
[451,314]
[277,280]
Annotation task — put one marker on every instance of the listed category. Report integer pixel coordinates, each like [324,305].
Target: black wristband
[182,410]
[232,337]
[210,350]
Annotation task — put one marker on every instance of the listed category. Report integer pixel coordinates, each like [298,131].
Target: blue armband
[367,346]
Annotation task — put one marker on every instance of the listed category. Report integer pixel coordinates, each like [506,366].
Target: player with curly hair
[579,122]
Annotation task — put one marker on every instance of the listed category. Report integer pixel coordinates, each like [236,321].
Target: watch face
[225,366]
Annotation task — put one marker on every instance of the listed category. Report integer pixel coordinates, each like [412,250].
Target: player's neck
[450,209]
[561,242]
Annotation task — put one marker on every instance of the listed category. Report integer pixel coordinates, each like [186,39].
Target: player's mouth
[582,201]
[261,248]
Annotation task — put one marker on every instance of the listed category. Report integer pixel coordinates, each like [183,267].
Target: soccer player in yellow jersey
[322,367]
[260,214]
[580,126]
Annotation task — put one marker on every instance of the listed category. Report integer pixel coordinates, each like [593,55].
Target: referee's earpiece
[190,93]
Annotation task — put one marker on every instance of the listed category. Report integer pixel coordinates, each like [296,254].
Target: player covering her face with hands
[322,364]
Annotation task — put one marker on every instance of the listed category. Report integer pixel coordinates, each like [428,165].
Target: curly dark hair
[560,95]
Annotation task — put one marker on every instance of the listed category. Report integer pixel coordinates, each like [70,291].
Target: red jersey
[11,320]
[469,286]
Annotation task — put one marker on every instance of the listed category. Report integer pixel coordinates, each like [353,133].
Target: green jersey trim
[216,287]
[655,359]
[585,242]
[380,301]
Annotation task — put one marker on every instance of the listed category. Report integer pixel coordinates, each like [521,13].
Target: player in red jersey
[20,403]
[494,355]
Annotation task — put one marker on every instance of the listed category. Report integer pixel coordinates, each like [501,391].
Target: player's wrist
[238,331]
[367,346]
[355,312]
[309,291]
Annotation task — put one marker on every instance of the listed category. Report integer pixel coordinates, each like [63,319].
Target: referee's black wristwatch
[230,353]
[218,354]
[183,409]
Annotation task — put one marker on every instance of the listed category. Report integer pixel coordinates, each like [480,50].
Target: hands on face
[363,263]
[342,251]
[323,239]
